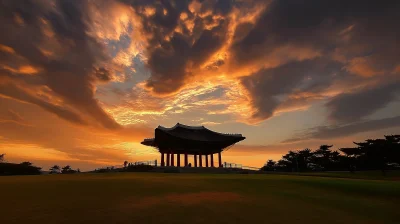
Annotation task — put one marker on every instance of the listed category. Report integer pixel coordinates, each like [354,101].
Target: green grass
[196,198]
[371,175]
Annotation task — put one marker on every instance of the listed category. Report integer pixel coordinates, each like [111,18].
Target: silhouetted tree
[322,156]
[19,169]
[291,159]
[375,153]
[26,163]
[66,169]
[2,157]
[269,166]
[125,164]
[304,158]
[55,169]
[372,154]
[352,155]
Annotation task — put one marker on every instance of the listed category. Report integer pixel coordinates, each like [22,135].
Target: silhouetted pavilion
[190,140]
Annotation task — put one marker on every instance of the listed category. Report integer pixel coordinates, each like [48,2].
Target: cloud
[331,132]
[312,34]
[188,41]
[179,38]
[14,92]
[71,142]
[269,87]
[74,61]
[13,117]
[106,66]
[353,106]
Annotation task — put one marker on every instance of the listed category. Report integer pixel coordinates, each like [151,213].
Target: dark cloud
[168,65]
[14,92]
[350,37]
[174,55]
[208,43]
[74,64]
[350,107]
[103,74]
[329,132]
[316,24]
[269,87]
[289,47]
[288,42]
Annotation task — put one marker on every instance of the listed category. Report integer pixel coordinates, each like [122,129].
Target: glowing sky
[83,82]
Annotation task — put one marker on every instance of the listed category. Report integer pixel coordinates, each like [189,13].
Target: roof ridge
[181,125]
[197,128]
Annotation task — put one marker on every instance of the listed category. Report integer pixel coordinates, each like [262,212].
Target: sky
[84,82]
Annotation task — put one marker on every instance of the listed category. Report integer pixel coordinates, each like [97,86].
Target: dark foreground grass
[194,198]
[370,175]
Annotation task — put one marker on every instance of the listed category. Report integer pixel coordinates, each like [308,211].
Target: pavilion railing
[232,165]
[239,166]
[157,163]
[148,162]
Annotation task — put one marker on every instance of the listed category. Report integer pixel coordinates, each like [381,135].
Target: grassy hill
[196,198]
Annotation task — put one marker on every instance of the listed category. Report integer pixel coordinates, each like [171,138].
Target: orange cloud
[25,69]
[363,66]
[50,138]
[7,49]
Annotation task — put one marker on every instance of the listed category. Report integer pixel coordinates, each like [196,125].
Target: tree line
[27,168]
[371,154]
[24,168]
[56,169]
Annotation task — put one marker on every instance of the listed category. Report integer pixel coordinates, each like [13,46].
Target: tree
[125,164]
[322,156]
[26,163]
[2,157]
[291,159]
[371,154]
[269,166]
[55,169]
[378,153]
[18,169]
[304,158]
[283,165]
[352,155]
[66,169]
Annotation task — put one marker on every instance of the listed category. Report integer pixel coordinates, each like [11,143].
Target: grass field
[196,198]
[369,175]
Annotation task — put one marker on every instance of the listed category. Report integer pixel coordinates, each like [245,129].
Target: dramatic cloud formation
[367,101]
[325,132]
[284,49]
[113,70]
[54,39]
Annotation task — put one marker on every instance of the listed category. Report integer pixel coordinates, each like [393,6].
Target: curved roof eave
[183,126]
[196,128]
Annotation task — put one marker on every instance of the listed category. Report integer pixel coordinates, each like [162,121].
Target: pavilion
[190,140]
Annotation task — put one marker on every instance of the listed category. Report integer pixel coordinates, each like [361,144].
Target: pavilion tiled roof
[198,133]
[192,139]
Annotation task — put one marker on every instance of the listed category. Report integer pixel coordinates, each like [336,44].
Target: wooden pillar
[212,160]
[168,157]
[186,159]
[195,160]
[219,159]
[200,160]
[162,159]
[172,159]
[206,160]
[178,160]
